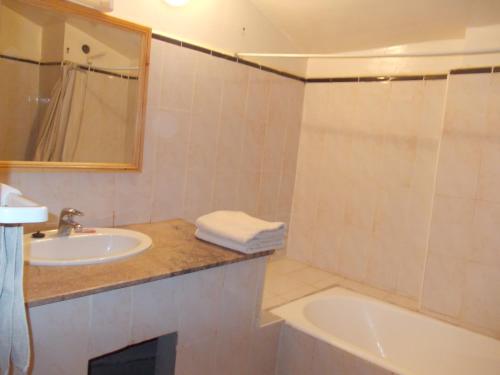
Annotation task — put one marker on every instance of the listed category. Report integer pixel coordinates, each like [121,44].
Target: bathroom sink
[105,245]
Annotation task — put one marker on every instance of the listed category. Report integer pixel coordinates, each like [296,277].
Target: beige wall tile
[295,353]
[466,104]
[110,322]
[486,245]
[489,174]
[458,168]
[481,296]
[452,231]
[240,295]
[353,253]
[60,334]
[171,129]
[196,358]
[264,348]
[257,105]
[199,298]
[443,284]
[154,309]
[177,77]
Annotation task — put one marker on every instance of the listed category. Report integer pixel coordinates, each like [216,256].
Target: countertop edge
[120,285]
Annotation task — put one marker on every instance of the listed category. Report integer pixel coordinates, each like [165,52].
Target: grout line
[188,140]
[242,142]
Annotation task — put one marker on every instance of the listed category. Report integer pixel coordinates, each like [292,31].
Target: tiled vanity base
[300,353]
[215,313]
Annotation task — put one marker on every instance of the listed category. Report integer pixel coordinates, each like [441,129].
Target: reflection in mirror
[69,87]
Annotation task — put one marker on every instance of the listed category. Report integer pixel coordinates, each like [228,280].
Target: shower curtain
[60,129]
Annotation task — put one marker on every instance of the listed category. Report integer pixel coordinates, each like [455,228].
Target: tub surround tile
[420,157]
[481,300]
[264,349]
[327,359]
[462,268]
[175,252]
[309,280]
[271,300]
[295,353]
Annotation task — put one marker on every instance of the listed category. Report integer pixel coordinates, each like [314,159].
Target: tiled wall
[462,278]
[218,135]
[365,180]
[215,312]
[371,204]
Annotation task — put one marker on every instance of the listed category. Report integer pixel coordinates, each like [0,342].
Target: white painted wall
[19,37]
[475,38]
[106,56]
[216,24]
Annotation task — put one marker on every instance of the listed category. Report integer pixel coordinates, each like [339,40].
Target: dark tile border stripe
[226,57]
[406,78]
[472,70]
[428,77]
[19,59]
[57,63]
[292,76]
[333,79]
[435,77]
[50,63]
[167,39]
[248,63]
[196,48]
[375,79]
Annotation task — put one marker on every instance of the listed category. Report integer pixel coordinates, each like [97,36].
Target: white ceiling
[325,26]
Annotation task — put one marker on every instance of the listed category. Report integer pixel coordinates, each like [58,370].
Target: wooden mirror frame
[66,7]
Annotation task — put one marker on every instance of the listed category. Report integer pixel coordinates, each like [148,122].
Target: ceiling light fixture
[176,3]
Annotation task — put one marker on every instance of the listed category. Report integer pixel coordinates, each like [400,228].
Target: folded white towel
[250,247]
[14,336]
[239,227]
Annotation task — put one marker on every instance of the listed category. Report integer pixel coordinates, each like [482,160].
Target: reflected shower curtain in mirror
[61,126]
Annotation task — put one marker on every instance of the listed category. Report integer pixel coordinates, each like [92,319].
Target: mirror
[72,87]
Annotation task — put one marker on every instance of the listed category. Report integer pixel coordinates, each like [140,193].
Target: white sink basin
[105,245]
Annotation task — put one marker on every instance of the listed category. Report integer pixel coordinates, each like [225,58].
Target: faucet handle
[70,212]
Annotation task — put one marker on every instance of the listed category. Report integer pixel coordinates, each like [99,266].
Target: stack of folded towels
[238,231]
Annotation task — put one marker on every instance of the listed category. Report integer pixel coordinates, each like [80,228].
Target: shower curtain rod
[102,67]
[370,56]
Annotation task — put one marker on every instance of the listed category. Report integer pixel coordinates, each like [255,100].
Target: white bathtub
[393,338]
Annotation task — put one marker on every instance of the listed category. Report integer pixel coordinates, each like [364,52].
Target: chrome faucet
[66,222]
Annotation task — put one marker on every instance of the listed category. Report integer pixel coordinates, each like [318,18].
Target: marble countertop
[175,251]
